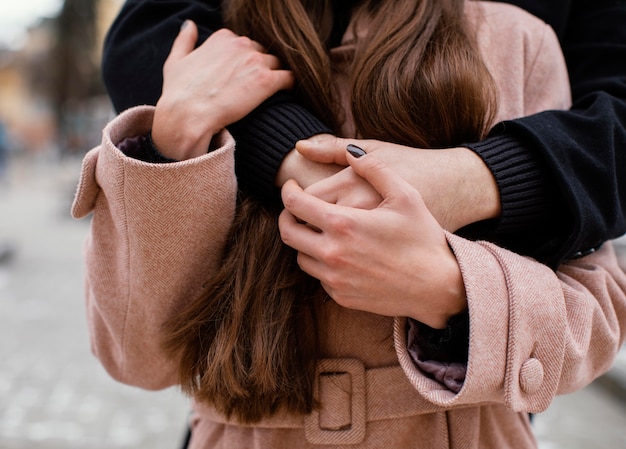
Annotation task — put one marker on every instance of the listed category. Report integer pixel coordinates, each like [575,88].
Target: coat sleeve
[534,333]
[156,236]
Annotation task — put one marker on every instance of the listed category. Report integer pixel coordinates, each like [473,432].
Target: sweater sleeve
[157,233]
[564,194]
[136,47]
[533,333]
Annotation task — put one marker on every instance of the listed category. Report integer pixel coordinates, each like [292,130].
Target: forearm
[566,194]
[457,186]
[560,184]
[463,190]
[136,48]
[531,215]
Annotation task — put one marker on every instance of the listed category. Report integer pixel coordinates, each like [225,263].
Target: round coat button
[531,375]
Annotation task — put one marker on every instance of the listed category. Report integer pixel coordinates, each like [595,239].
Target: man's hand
[210,87]
[391,260]
[455,184]
[305,171]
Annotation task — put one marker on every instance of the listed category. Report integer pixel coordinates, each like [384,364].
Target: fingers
[297,235]
[382,178]
[251,57]
[277,78]
[324,148]
[185,42]
[304,206]
[284,79]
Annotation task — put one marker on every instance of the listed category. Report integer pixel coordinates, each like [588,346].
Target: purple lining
[450,374]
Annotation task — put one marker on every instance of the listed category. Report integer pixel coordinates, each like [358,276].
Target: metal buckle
[354,432]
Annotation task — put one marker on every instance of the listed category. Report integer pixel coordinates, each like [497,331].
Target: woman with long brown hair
[199,290]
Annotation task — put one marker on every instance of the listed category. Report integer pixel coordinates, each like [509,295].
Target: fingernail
[184,25]
[355,151]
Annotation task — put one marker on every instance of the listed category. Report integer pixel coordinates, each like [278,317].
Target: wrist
[179,136]
[475,196]
[304,171]
[449,288]
[453,296]
[287,167]
[487,199]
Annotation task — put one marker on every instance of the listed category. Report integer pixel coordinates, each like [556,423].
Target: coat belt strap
[349,396]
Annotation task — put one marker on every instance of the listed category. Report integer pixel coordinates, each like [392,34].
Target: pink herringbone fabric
[158,231]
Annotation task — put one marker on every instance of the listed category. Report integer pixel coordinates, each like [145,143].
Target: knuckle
[405,196]
[254,59]
[285,235]
[344,301]
[339,142]
[223,33]
[332,256]
[337,281]
[339,223]
[243,42]
[263,78]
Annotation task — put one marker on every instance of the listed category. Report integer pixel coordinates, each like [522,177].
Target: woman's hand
[455,184]
[210,87]
[391,260]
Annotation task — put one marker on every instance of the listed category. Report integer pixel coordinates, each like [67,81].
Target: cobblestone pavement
[54,394]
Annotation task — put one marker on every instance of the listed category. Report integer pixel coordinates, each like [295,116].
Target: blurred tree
[75,66]
[77,73]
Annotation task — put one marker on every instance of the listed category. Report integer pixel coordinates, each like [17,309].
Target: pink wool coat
[156,235]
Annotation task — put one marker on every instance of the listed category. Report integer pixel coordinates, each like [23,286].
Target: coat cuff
[516,331]
[526,195]
[263,140]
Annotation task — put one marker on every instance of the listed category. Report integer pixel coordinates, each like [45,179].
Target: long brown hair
[249,346]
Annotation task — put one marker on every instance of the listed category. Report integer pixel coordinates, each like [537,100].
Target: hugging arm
[540,163]
[574,159]
[135,50]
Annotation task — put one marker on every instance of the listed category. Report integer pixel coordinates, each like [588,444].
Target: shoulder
[523,56]
[505,27]
[502,17]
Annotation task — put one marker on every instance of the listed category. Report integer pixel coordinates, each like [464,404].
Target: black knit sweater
[560,173]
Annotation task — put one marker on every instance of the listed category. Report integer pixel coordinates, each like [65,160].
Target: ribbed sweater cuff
[264,139]
[521,176]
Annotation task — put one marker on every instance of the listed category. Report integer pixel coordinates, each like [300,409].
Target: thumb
[185,42]
[384,180]
[323,148]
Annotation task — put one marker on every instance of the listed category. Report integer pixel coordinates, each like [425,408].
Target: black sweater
[559,172]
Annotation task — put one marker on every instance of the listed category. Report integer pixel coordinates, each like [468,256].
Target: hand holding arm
[414,272]
[208,88]
[456,186]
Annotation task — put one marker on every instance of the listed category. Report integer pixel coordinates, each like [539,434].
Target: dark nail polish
[355,151]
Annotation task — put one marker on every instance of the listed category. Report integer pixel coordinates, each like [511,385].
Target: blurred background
[53,394]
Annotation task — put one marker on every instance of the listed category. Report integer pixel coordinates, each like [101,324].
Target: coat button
[531,375]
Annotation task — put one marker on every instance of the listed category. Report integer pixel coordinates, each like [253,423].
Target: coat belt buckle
[340,417]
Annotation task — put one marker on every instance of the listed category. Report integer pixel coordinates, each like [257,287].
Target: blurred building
[51,95]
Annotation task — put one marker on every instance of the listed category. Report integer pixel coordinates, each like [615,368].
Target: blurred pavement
[54,394]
